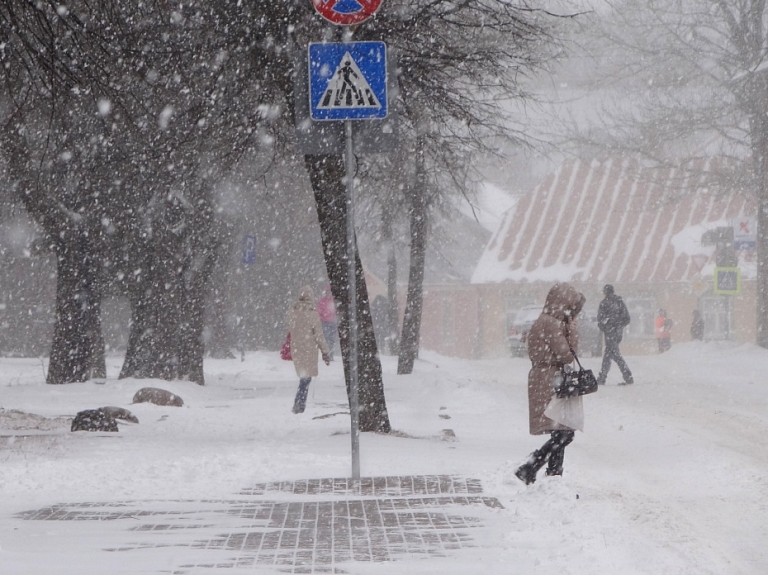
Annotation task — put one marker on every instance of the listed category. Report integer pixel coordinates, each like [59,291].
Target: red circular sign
[346,12]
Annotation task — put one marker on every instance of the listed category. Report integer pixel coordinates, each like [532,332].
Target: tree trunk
[762,271]
[759,131]
[326,174]
[141,342]
[167,322]
[409,343]
[152,348]
[77,351]
[192,347]
[168,300]
[391,341]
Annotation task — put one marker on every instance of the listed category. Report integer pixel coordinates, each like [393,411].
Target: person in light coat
[552,340]
[306,339]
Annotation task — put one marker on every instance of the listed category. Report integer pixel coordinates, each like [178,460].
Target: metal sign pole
[359,69]
[352,279]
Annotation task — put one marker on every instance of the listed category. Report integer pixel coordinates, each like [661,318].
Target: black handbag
[576,382]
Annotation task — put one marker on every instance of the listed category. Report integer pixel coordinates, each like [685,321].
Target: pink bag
[285,351]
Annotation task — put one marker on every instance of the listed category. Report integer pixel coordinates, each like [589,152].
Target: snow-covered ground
[669,477]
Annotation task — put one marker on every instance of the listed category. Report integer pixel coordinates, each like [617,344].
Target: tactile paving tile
[394,486]
[319,526]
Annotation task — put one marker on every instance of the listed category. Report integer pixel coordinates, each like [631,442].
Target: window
[515,305]
[716,312]
[642,312]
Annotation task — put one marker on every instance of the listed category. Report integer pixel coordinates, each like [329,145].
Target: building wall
[493,327]
[451,320]
[470,321]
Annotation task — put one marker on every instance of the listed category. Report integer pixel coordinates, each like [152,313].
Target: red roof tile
[612,220]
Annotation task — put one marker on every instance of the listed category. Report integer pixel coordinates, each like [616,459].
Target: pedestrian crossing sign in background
[249,249]
[348,81]
[727,281]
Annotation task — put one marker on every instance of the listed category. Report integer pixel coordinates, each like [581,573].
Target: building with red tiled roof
[657,234]
[613,221]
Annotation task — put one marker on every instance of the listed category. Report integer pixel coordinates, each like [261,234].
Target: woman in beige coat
[306,338]
[550,343]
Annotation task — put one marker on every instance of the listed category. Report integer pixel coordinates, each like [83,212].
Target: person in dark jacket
[552,341]
[612,318]
[697,325]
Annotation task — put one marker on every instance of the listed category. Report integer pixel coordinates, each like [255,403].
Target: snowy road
[670,476]
[687,458]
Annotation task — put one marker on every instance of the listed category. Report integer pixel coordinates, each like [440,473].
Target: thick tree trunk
[167,322]
[166,294]
[141,341]
[77,352]
[168,301]
[152,350]
[192,346]
[326,174]
[77,349]
[153,346]
[409,343]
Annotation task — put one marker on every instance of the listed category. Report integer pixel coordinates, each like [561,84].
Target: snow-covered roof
[613,220]
[488,210]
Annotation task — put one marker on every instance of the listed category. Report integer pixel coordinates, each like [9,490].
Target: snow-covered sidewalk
[670,476]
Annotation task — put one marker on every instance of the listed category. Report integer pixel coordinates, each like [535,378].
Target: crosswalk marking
[348,88]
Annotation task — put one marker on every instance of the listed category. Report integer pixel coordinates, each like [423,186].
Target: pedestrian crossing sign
[727,281]
[348,81]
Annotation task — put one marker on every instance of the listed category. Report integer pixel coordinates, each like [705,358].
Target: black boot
[527,472]
[555,466]
[560,440]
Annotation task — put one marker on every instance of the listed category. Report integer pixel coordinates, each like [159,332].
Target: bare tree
[690,79]
[119,116]
[462,69]
[384,207]
[176,93]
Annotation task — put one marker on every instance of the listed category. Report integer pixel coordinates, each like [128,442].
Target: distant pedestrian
[326,307]
[551,340]
[663,330]
[306,338]
[697,325]
[612,318]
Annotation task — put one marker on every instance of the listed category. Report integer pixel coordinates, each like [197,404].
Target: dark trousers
[553,452]
[612,353]
[301,395]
